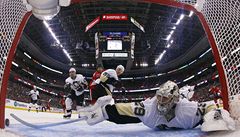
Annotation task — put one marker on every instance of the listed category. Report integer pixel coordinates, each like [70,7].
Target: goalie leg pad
[101,102]
[95,116]
[217,119]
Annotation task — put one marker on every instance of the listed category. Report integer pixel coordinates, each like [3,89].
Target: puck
[7,122]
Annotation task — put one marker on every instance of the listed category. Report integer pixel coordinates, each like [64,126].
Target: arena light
[15,64]
[137,24]
[174,27]
[183,67]
[51,32]
[54,36]
[172,71]
[205,53]
[27,55]
[188,78]
[200,72]
[178,22]
[126,78]
[67,54]
[171,41]
[200,83]
[43,80]
[168,37]
[180,18]
[190,14]
[154,88]
[192,62]
[51,69]
[213,64]
[144,64]
[138,90]
[160,57]
[168,46]
[30,73]
[27,71]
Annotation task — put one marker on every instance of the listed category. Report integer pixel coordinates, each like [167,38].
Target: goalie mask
[167,97]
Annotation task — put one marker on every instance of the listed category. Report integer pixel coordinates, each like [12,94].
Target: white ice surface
[81,129]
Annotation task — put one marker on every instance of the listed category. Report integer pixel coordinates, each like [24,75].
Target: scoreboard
[114,45]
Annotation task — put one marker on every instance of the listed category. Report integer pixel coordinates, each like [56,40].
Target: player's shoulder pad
[112,72]
[79,75]
[109,70]
[68,80]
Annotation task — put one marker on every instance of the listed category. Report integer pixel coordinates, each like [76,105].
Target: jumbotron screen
[114,45]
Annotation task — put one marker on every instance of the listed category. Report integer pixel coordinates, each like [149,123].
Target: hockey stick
[46,125]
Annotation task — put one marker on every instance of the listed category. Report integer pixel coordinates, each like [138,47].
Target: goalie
[166,110]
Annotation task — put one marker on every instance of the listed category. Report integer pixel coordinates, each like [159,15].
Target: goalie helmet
[167,96]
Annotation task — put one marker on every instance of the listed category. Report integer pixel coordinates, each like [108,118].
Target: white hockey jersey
[110,73]
[34,94]
[185,115]
[76,84]
[187,91]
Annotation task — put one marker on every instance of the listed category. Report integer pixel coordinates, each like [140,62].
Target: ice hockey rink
[81,129]
[193,43]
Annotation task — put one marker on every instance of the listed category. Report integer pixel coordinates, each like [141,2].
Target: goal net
[221,21]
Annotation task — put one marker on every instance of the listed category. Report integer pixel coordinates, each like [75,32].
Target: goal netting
[221,16]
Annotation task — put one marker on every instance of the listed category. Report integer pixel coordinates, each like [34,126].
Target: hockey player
[216,94]
[107,82]
[95,76]
[75,84]
[166,110]
[62,103]
[34,94]
[48,106]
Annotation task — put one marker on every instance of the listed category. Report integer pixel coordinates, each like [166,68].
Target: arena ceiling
[158,21]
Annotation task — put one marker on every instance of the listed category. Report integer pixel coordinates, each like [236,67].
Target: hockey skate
[68,114]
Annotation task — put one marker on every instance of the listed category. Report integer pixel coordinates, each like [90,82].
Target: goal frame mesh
[8,17]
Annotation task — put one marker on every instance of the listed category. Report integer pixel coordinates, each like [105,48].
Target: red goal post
[220,19]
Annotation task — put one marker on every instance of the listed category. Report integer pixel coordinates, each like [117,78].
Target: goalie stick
[46,125]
